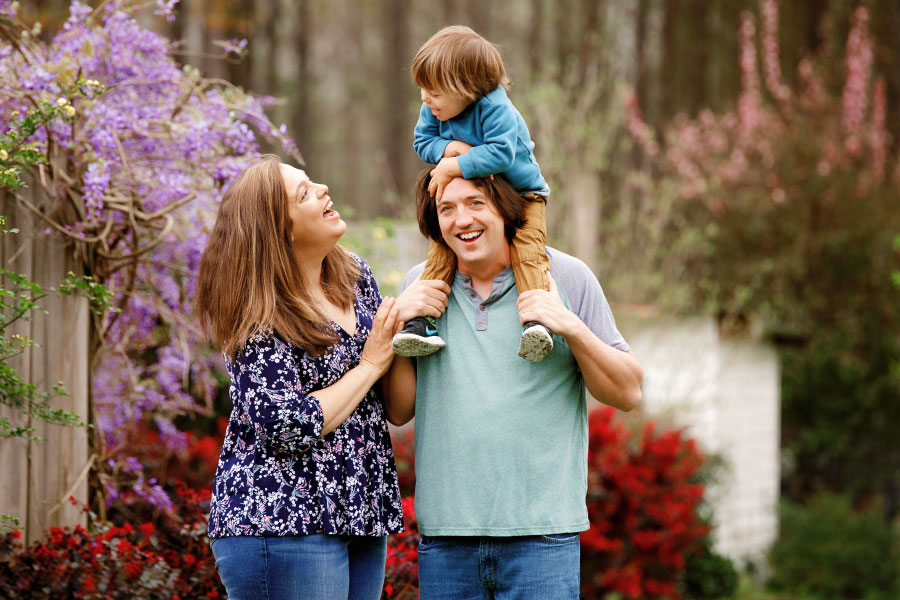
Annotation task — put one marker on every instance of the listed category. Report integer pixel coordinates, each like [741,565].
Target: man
[501,443]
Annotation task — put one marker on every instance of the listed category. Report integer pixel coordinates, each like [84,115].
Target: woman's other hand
[378,352]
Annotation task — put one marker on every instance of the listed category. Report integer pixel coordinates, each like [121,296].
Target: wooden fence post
[39,476]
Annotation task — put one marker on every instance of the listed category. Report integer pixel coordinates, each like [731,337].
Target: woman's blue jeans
[301,567]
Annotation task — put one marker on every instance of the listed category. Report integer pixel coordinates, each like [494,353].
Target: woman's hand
[423,297]
[377,353]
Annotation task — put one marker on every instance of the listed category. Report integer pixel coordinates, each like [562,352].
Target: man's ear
[490,177]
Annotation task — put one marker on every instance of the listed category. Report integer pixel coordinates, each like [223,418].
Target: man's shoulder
[565,266]
[412,274]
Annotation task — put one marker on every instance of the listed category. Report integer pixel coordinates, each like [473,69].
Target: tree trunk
[396,139]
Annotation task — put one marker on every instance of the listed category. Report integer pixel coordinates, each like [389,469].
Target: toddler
[468,126]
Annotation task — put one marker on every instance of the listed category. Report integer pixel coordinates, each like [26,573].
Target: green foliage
[895,276]
[828,551]
[840,412]
[99,298]
[19,297]
[17,154]
[376,241]
[8,523]
[708,576]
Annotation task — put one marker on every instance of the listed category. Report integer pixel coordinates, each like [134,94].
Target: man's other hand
[548,309]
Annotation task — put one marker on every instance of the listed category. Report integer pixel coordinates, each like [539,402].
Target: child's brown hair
[459,61]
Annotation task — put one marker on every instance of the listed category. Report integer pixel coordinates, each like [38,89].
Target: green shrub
[827,550]
[708,576]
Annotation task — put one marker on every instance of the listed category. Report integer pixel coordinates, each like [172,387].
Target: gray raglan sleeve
[586,297]
[412,274]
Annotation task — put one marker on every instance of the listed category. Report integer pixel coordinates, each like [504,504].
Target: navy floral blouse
[275,475]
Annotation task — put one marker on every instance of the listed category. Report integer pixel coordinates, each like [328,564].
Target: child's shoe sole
[406,344]
[535,343]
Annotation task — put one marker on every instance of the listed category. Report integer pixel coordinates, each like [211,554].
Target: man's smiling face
[472,227]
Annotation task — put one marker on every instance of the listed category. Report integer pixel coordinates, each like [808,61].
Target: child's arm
[500,131]
[447,168]
[456,148]
[445,171]
[427,140]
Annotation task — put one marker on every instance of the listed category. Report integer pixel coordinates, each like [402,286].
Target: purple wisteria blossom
[234,46]
[153,142]
[7,8]
[166,8]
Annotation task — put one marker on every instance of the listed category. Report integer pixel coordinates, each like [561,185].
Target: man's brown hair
[249,279]
[498,191]
[459,61]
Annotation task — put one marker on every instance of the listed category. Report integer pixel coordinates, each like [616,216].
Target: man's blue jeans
[301,567]
[533,567]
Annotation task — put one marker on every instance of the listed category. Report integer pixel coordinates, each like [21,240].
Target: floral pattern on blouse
[275,475]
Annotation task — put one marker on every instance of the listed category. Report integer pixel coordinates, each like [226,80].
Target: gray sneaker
[536,342]
[419,337]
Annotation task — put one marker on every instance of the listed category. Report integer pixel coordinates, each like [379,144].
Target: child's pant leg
[527,255]
[440,263]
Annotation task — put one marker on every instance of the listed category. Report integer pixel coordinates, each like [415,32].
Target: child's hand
[456,148]
[441,175]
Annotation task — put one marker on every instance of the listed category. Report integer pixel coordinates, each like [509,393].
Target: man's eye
[478,203]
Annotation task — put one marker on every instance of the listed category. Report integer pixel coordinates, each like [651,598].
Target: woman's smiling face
[314,222]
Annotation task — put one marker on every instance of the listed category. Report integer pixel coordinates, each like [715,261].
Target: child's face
[443,105]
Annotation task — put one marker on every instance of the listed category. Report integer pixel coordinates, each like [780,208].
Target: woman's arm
[341,398]
[271,394]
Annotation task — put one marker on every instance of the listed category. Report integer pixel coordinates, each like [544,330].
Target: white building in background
[725,392]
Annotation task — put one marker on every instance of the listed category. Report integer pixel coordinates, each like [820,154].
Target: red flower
[133,569]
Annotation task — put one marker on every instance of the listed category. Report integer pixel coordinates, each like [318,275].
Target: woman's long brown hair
[249,278]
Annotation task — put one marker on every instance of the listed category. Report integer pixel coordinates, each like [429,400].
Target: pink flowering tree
[774,180]
[792,200]
[136,164]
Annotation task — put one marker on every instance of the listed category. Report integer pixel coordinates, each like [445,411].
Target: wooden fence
[39,476]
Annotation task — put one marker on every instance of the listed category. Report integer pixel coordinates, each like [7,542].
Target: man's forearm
[611,376]
[399,385]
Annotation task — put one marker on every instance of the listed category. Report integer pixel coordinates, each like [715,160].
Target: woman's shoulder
[365,271]
[264,345]
[363,265]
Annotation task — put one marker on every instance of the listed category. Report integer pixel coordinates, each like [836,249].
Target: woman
[305,491]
